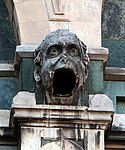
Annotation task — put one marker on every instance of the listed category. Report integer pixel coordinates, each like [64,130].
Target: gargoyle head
[61,67]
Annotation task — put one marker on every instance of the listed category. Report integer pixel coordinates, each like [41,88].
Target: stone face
[61,67]
[100,102]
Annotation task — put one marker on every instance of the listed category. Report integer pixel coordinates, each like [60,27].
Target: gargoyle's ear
[38,62]
[37,76]
[85,59]
[86,64]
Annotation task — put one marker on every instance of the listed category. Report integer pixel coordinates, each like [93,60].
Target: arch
[31,22]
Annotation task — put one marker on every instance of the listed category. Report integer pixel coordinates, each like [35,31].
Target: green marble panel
[27,81]
[8,147]
[8,89]
[95,79]
[113,31]
[116,52]
[26,76]
[7,40]
[113,19]
[114,89]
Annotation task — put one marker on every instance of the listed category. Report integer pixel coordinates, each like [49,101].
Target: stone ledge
[114,74]
[7,70]
[60,116]
[98,54]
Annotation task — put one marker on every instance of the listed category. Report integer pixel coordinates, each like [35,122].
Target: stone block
[118,122]
[24,99]
[87,32]
[85,11]
[4,118]
[100,102]
[33,32]
[54,25]
[64,144]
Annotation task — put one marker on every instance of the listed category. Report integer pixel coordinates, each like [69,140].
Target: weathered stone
[61,67]
[8,89]
[54,15]
[100,102]
[118,122]
[4,118]
[50,122]
[34,33]
[36,7]
[24,99]
[62,144]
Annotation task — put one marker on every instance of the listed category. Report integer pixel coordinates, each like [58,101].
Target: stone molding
[59,115]
[114,74]
[7,70]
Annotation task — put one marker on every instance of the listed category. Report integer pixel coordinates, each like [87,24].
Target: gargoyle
[61,67]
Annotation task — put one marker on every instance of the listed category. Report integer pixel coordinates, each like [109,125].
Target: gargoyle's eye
[73,50]
[53,51]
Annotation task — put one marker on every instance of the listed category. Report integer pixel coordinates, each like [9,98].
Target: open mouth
[64,81]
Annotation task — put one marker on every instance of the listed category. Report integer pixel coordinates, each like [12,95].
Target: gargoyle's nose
[64,59]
